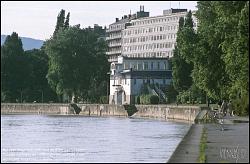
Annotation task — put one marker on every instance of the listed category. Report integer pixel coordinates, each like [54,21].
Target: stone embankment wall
[34,108]
[165,112]
[63,109]
[102,110]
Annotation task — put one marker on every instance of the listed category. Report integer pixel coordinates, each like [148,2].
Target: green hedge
[149,99]
[137,100]
[154,99]
[103,100]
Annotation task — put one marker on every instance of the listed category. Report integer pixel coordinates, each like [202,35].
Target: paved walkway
[230,145]
[188,149]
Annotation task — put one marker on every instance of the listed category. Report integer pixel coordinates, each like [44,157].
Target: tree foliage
[76,62]
[218,52]
[13,68]
[72,63]
[181,68]
[23,73]
[223,43]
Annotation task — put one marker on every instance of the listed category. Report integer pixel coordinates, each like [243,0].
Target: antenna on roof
[179,4]
[130,11]
[170,4]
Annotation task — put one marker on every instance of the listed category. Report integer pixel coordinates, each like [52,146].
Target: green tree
[221,64]
[60,21]
[181,69]
[13,69]
[66,24]
[234,16]
[75,59]
[209,68]
[38,88]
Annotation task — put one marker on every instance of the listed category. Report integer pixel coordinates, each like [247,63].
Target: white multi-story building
[152,36]
[130,75]
[146,44]
[114,34]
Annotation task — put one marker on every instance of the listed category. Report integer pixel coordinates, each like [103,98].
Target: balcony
[113,52]
[114,37]
[113,60]
[113,30]
[115,44]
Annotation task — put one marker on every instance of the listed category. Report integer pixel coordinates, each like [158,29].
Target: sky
[37,19]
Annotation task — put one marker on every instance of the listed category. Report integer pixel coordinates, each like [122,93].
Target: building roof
[145,58]
[124,20]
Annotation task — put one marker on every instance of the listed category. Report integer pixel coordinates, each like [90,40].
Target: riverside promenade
[230,145]
[227,145]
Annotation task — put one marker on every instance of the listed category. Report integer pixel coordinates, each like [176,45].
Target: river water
[40,138]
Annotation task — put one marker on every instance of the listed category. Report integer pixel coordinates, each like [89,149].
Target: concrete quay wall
[163,112]
[166,112]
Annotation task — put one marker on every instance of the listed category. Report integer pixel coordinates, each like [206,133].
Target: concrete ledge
[171,112]
[162,112]
[63,109]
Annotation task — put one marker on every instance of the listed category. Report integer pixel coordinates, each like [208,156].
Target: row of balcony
[112,59]
[115,44]
[114,37]
[113,30]
[113,52]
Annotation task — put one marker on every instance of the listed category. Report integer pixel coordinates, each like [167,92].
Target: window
[134,81]
[125,65]
[165,65]
[139,66]
[124,96]
[158,65]
[152,65]
[145,65]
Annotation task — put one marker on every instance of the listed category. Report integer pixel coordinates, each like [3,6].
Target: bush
[149,99]
[171,94]
[103,100]
[145,99]
[241,105]
[154,99]
[137,99]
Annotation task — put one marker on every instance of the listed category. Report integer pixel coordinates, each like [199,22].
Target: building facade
[145,46]
[152,36]
[129,76]
[114,34]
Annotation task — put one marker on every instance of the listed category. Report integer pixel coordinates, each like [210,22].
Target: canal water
[38,138]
